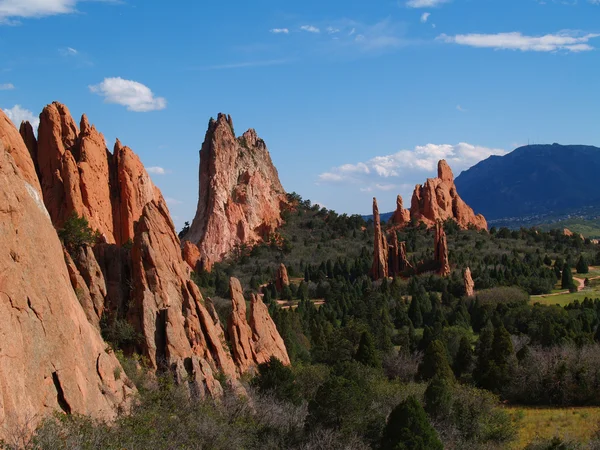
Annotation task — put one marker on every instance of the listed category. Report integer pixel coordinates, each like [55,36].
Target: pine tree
[408,428]
[438,398]
[435,363]
[567,277]
[414,313]
[502,355]
[582,265]
[464,358]
[481,373]
[366,353]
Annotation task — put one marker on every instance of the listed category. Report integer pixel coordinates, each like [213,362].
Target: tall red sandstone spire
[380,254]
[441,250]
[240,196]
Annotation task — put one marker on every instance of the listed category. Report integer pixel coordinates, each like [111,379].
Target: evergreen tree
[366,353]
[409,429]
[567,278]
[435,363]
[464,358]
[582,265]
[481,373]
[502,354]
[414,313]
[279,380]
[438,398]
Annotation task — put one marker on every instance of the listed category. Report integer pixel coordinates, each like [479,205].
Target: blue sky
[355,99]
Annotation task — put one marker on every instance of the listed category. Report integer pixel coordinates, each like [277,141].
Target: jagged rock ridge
[240,195]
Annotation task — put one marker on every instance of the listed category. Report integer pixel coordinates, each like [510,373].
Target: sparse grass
[577,424]
[564,299]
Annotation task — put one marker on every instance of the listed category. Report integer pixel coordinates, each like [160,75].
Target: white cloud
[12,10]
[406,167]
[172,201]
[425,3]
[280,31]
[566,40]
[310,29]
[425,17]
[68,51]
[333,30]
[7,87]
[135,96]
[460,108]
[156,170]
[18,114]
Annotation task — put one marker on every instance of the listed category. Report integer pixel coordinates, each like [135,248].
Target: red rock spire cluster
[437,200]
[380,253]
[54,297]
[240,195]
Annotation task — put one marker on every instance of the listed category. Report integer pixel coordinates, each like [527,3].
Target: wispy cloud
[310,29]
[13,10]
[7,87]
[248,64]
[280,30]
[425,17]
[156,170]
[460,108]
[135,96]
[425,3]
[68,51]
[406,167]
[19,114]
[172,201]
[567,40]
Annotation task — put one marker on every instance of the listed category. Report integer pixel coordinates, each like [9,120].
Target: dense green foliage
[76,232]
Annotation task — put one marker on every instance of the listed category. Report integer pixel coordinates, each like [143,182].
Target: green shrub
[76,232]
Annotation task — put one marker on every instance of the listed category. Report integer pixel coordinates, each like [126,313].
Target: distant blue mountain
[533,180]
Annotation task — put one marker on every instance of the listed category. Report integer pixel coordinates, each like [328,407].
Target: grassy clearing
[564,299]
[579,424]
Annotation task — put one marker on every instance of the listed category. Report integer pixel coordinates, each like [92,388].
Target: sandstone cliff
[79,175]
[469,284]
[438,199]
[240,195]
[51,357]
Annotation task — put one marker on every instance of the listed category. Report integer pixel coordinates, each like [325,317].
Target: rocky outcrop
[441,250]
[255,342]
[240,195]
[379,269]
[438,200]
[191,255]
[281,278]
[398,261]
[28,136]
[14,145]
[469,283]
[51,357]
[401,216]
[178,332]
[266,339]
[79,175]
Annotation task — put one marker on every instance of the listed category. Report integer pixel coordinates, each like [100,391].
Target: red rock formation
[281,278]
[13,144]
[257,342]
[398,261]
[401,216]
[438,199]
[403,258]
[191,254]
[469,283]
[79,175]
[52,358]
[240,333]
[168,308]
[441,250]
[26,132]
[240,196]
[267,341]
[380,254]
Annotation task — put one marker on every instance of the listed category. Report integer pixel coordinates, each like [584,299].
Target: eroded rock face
[438,199]
[28,135]
[191,255]
[469,283]
[281,278]
[79,175]
[441,250]
[51,358]
[266,339]
[401,216]
[168,307]
[240,333]
[379,269]
[240,198]
[13,144]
